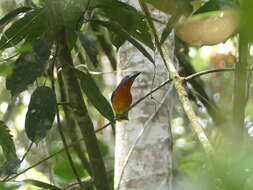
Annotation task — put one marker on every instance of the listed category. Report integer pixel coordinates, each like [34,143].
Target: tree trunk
[150,165]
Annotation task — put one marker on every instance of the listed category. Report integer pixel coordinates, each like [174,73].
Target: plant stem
[81,115]
[60,129]
[240,88]
[71,127]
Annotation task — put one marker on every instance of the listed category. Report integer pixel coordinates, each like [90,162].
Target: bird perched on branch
[121,97]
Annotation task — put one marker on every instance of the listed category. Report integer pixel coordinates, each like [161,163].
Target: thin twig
[87,183]
[8,58]
[22,159]
[28,150]
[207,72]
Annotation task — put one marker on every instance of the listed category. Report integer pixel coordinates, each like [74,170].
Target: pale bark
[150,164]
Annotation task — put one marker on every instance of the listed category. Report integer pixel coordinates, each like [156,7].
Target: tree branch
[178,82]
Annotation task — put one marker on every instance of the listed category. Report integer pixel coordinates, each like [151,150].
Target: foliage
[36,36]
[40,114]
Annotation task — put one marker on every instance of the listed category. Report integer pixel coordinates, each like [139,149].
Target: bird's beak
[135,75]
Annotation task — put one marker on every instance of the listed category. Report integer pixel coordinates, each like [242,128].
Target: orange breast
[121,100]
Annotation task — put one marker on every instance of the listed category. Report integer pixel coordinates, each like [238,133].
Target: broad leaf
[117,29]
[94,95]
[90,48]
[8,17]
[40,114]
[63,170]
[41,184]
[29,27]
[28,67]
[129,18]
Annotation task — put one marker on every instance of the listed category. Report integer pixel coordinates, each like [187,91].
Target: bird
[121,98]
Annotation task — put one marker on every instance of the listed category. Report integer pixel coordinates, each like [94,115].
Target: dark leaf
[171,22]
[42,48]
[7,143]
[41,184]
[73,20]
[215,5]
[28,67]
[10,167]
[129,18]
[117,40]
[117,29]
[94,95]
[29,27]
[90,48]
[8,17]
[96,3]
[40,114]
[106,44]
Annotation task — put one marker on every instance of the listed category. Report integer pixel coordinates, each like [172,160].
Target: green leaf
[6,69]
[94,95]
[12,162]
[63,170]
[90,48]
[8,17]
[6,142]
[117,29]
[5,186]
[40,114]
[27,47]
[29,27]
[129,18]
[28,67]
[41,184]
[104,149]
